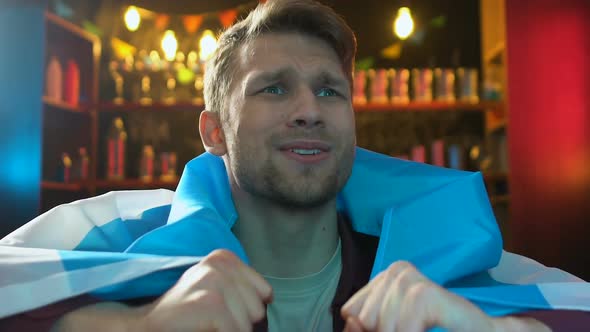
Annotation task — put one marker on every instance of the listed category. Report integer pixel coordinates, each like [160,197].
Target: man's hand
[402,299]
[219,294]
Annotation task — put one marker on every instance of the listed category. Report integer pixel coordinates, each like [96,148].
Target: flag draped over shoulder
[130,244]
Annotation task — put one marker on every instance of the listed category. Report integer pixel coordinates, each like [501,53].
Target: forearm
[106,316]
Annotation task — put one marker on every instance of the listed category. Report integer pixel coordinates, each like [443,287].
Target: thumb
[353,325]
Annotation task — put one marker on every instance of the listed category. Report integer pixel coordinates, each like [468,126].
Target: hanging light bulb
[132,18]
[403,25]
[169,45]
[207,45]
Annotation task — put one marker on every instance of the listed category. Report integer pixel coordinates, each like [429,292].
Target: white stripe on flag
[567,296]
[64,226]
[27,264]
[520,270]
[30,295]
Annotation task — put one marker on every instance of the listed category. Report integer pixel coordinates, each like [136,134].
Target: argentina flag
[131,244]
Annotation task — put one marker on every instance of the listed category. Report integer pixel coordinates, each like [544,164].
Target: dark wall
[548,63]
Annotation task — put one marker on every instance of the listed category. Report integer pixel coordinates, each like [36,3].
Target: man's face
[289,127]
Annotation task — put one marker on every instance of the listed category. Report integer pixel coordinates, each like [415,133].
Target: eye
[327,92]
[275,90]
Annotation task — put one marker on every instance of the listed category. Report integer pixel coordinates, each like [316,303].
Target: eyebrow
[323,78]
[328,78]
[269,76]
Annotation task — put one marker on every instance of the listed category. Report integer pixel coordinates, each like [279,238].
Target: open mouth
[307,152]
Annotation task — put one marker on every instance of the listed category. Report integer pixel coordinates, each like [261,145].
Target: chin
[313,194]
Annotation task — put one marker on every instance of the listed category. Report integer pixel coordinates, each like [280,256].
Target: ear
[211,133]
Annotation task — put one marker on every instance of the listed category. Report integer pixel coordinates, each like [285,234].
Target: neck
[283,242]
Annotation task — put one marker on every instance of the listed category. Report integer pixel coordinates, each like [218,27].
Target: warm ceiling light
[404,24]
[207,45]
[132,18]
[169,45]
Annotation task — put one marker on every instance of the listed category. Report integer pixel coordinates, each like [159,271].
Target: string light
[169,45]
[403,25]
[207,45]
[132,18]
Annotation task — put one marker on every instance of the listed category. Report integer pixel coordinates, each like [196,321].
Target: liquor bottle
[118,82]
[54,80]
[72,83]
[146,169]
[116,146]
[64,171]
[81,165]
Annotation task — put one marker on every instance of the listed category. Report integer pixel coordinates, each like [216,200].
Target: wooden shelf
[135,184]
[154,107]
[61,105]
[71,27]
[430,107]
[61,186]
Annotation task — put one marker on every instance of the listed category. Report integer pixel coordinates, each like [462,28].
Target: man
[279,114]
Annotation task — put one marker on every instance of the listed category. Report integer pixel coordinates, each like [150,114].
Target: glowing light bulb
[132,18]
[169,45]
[404,24]
[207,45]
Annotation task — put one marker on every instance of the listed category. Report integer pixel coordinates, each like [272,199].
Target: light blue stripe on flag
[118,234]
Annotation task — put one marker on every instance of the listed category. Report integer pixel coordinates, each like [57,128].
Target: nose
[306,112]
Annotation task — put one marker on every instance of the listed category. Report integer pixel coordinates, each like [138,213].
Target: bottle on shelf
[81,165]
[378,86]
[116,149]
[65,168]
[72,83]
[118,81]
[360,84]
[467,82]
[399,91]
[422,84]
[146,169]
[142,68]
[54,80]
[168,166]
[444,85]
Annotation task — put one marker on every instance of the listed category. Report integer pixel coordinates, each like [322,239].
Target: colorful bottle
[116,147]
[81,165]
[54,80]
[146,171]
[72,84]
[65,167]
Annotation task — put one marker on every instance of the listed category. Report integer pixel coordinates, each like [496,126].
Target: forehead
[274,50]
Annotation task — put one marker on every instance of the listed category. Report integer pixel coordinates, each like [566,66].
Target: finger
[230,264]
[262,287]
[369,314]
[223,323]
[353,325]
[252,302]
[237,308]
[211,314]
[429,305]
[354,305]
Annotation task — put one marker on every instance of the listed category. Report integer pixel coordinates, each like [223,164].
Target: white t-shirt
[303,304]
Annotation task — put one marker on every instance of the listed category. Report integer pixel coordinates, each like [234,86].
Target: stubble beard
[309,189]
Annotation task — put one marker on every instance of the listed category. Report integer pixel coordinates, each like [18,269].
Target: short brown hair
[306,17]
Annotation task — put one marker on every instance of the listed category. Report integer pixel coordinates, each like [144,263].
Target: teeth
[306,151]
